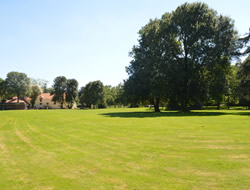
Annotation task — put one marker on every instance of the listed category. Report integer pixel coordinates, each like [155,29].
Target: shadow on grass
[171,114]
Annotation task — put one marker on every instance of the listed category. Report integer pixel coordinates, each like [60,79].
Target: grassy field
[124,149]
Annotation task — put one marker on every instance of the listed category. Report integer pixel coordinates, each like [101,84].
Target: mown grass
[124,149]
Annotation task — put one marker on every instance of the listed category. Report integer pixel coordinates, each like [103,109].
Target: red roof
[25,100]
[46,96]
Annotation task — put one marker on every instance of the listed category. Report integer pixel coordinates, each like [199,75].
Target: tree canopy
[71,92]
[93,94]
[177,56]
[59,89]
[17,84]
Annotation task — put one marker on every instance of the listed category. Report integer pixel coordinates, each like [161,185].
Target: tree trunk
[218,106]
[228,102]
[156,104]
[185,90]
[184,105]
[62,98]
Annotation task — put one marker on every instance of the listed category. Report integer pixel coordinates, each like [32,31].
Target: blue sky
[85,40]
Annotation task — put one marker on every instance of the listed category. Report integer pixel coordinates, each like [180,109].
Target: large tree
[71,92]
[93,94]
[146,80]
[206,40]
[17,84]
[59,89]
[177,55]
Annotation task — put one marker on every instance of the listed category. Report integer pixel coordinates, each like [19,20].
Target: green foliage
[217,82]
[35,92]
[115,96]
[182,57]
[65,91]
[93,94]
[208,42]
[246,41]
[146,80]
[233,83]
[17,84]
[244,75]
[48,90]
[3,91]
[110,95]
[42,83]
[59,89]
[71,92]
[121,96]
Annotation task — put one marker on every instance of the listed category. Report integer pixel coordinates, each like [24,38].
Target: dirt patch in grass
[240,156]
[24,138]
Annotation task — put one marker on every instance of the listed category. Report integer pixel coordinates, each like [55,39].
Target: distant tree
[42,83]
[244,75]
[48,90]
[80,92]
[218,86]
[71,92]
[3,91]
[121,98]
[59,89]
[81,96]
[93,94]
[17,84]
[110,95]
[233,83]
[35,92]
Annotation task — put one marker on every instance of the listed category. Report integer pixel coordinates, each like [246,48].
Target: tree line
[183,60]
[93,95]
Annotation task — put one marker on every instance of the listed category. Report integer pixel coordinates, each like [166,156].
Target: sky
[85,40]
